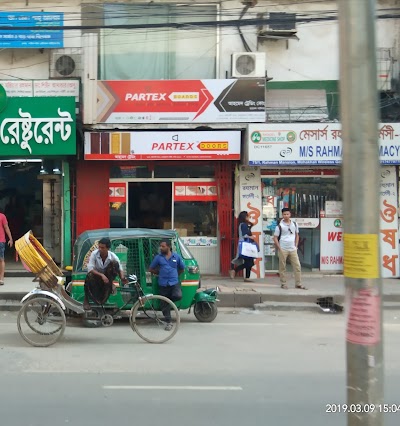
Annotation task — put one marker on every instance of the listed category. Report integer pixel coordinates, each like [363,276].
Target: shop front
[300,169]
[164,180]
[38,134]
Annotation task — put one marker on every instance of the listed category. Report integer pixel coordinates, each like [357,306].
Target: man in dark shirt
[168,266]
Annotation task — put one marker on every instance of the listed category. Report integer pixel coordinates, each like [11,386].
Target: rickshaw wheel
[205,311]
[41,321]
[148,321]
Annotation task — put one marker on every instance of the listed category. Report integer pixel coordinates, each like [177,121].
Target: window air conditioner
[65,65]
[248,64]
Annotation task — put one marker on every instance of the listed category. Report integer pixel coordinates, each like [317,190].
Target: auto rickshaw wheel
[205,311]
[41,321]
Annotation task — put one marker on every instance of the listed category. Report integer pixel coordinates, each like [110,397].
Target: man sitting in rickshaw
[103,267]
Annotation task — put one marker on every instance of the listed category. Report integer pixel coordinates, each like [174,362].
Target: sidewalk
[260,294]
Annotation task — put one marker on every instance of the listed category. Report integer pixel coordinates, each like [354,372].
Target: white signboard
[389,227]
[311,144]
[333,208]
[332,239]
[31,88]
[179,145]
[306,222]
[331,251]
[251,201]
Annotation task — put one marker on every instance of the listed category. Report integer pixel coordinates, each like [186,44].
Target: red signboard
[163,145]
[181,101]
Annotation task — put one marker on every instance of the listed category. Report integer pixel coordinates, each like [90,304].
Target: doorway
[149,205]
[21,200]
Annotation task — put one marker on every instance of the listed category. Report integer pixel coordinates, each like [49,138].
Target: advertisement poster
[331,249]
[251,201]
[294,144]
[198,191]
[179,145]
[181,101]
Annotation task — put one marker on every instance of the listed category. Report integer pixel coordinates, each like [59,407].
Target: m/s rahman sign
[181,101]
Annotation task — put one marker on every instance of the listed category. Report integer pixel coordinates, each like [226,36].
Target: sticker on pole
[363,323]
[361,259]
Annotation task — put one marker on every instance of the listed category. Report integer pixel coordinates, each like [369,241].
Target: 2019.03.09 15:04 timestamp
[362,408]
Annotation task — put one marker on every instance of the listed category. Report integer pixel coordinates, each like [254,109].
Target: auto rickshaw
[136,248]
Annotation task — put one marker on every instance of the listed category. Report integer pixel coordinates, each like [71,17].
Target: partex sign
[181,101]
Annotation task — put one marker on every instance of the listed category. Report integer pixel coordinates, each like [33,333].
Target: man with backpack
[286,239]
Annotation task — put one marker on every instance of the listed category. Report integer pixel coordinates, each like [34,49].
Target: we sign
[331,247]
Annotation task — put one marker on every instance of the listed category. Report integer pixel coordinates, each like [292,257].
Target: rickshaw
[42,320]
[136,248]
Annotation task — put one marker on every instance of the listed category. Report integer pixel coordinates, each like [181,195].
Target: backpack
[280,229]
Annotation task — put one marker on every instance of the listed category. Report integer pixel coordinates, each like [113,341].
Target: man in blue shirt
[168,266]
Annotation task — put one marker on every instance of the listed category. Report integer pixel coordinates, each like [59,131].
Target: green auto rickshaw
[136,248]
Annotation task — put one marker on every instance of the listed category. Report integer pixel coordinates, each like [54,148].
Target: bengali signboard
[180,145]
[311,144]
[251,201]
[39,88]
[38,127]
[181,101]
[28,30]
[389,226]
[331,258]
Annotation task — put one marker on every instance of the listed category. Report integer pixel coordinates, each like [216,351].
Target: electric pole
[360,171]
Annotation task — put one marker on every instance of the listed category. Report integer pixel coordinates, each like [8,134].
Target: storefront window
[195,218]
[307,199]
[202,171]
[117,215]
[304,196]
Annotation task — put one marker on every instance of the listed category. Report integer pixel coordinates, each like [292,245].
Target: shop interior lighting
[43,171]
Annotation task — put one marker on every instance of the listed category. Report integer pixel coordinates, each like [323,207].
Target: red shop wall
[92,208]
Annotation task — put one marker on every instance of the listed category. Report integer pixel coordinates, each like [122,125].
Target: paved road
[247,368]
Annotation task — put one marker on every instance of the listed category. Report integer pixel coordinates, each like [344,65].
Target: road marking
[194,388]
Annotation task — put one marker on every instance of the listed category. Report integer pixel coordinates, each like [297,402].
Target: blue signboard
[12,37]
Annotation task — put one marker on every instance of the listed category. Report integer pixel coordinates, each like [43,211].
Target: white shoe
[232,274]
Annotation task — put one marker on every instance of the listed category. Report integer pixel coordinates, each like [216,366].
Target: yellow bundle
[36,258]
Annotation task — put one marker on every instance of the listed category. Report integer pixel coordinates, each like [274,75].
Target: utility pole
[360,170]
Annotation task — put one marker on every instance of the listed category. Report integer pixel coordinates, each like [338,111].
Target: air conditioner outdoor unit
[248,64]
[65,65]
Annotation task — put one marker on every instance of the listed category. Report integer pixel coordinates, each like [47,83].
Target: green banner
[32,127]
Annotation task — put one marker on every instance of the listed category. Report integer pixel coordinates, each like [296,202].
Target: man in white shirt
[103,267]
[286,239]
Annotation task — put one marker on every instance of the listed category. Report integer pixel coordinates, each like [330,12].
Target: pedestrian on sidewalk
[241,262]
[4,229]
[286,238]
